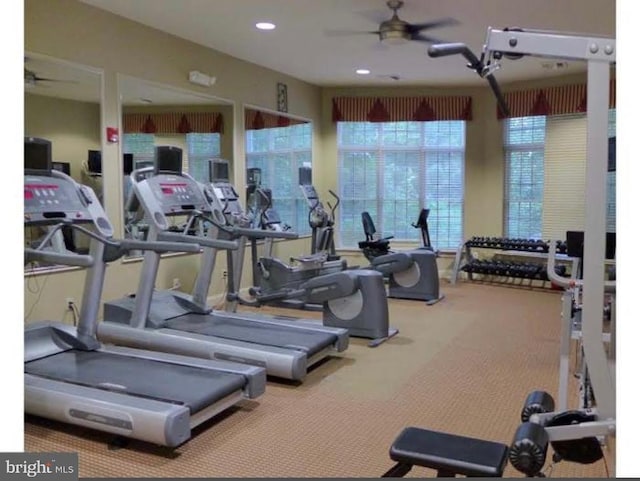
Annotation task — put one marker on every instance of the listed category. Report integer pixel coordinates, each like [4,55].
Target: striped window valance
[257,120]
[400,109]
[565,99]
[173,123]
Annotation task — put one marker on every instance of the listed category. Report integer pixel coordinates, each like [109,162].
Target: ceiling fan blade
[45,79]
[425,38]
[442,22]
[348,33]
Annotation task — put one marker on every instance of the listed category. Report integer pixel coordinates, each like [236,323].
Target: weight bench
[448,454]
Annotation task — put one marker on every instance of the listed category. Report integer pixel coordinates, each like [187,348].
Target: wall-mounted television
[611,164]
[127,164]
[62,167]
[94,161]
[168,159]
[37,154]
[218,170]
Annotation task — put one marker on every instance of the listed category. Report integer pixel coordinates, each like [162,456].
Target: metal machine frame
[73,378]
[599,53]
[184,324]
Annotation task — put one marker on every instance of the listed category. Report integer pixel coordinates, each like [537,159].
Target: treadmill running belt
[308,341]
[193,387]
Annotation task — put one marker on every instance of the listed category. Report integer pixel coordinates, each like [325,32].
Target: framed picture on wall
[282,98]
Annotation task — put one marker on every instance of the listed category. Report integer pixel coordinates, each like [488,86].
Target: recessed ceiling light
[265,26]
[363,71]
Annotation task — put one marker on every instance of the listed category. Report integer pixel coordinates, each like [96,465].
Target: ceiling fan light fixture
[394,37]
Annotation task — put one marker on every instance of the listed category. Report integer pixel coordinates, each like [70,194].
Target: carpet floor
[464,365]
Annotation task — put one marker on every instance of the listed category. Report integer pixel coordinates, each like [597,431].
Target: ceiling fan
[397,31]
[31,78]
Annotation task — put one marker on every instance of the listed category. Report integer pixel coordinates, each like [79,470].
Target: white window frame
[375,203]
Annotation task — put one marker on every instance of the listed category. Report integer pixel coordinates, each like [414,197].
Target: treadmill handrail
[193,239]
[262,233]
[76,260]
[158,246]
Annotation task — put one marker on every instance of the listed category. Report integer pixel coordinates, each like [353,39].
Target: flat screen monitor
[254,176]
[127,164]
[94,161]
[168,159]
[62,167]
[304,176]
[218,170]
[575,244]
[611,164]
[37,154]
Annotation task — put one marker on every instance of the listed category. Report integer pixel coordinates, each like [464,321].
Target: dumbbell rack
[518,248]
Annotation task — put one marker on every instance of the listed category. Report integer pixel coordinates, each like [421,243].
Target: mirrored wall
[154,115]
[277,146]
[62,104]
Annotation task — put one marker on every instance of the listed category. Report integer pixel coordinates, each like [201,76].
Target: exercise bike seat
[449,454]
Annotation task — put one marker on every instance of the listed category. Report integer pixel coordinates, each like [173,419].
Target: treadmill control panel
[53,199]
[230,203]
[164,195]
[177,194]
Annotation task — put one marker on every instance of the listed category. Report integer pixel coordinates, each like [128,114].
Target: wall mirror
[153,115]
[277,146]
[62,104]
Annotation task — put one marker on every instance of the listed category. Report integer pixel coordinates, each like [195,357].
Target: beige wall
[72,127]
[107,43]
[73,31]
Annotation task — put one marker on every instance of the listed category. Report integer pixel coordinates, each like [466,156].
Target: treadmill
[69,376]
[179,323]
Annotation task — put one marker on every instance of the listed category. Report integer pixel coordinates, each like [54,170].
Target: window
[545,175]
[142,146]
[611,180]
[200,149]
[279,152]
[392,170]
[524,176]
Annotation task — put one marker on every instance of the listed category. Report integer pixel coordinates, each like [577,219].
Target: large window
[279,152]
[524,176]
[392,170]
[197,149]
[545,160]
[200,149]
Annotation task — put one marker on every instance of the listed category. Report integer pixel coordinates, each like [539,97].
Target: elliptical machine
[350,299]
[321,220]
[412,274]
[271,274]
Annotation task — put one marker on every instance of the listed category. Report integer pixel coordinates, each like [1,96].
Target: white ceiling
[302,46]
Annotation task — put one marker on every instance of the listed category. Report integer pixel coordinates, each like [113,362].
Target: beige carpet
[464,365]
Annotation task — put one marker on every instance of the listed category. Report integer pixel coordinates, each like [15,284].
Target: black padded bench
[448,454]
